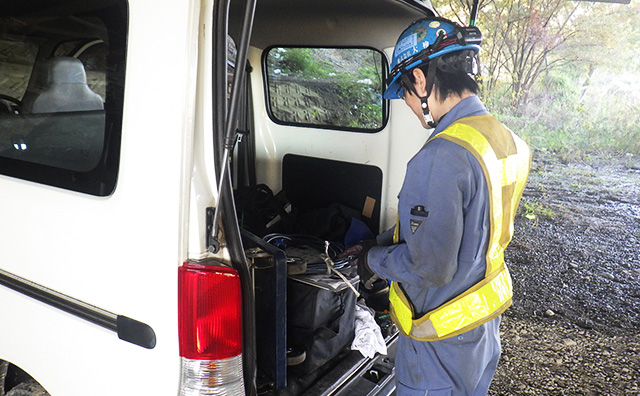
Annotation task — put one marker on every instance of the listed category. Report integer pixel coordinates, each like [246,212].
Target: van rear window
[334,88]
[61,92]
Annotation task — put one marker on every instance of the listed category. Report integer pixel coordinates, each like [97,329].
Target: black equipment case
[321,317]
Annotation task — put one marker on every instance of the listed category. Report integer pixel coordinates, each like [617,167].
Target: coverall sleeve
[386,238]
[438,186]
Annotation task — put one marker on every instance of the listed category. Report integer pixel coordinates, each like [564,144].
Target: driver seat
[65,89]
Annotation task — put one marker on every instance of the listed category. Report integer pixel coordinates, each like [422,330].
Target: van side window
[61,93]
[334,88]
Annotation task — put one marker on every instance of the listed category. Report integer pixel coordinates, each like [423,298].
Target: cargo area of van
[318,174]
[307,293]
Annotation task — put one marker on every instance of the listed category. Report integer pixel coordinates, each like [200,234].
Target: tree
[565,74]
[518,38]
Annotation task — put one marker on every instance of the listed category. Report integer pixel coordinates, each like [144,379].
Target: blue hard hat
[415,47]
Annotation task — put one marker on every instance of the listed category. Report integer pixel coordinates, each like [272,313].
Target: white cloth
[368,339]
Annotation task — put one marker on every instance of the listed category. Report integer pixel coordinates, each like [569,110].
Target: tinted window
[336,88]
[61,92]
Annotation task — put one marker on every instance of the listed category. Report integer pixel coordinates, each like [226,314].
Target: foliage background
[565,75]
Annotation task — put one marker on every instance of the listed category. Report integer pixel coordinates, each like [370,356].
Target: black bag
[259,211]
[320,318]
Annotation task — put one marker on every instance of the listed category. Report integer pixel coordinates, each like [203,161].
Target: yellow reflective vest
[505,160]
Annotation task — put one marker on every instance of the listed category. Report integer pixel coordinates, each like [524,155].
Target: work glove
[358,257]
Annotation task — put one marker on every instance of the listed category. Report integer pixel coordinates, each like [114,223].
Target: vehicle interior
[318,162]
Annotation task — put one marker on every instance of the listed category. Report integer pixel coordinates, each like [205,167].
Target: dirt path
[574,327]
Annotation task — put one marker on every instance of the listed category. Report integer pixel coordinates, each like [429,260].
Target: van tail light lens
[209,312]
[210,330]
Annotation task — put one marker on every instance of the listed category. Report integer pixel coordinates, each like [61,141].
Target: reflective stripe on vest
[505,161]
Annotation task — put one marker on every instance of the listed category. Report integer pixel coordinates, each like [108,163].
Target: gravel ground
[574,327]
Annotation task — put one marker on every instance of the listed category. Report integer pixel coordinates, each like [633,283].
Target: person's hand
[367,276]
[358,256]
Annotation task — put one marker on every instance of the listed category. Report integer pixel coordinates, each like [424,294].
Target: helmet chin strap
[430,79]
[426,113]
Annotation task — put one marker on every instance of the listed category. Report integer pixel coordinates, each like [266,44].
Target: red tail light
[209,312]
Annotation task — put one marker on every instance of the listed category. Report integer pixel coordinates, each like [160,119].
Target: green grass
[575,121]
[533,210]
[576,138]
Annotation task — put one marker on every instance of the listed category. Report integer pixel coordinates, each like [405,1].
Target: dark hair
[448,83]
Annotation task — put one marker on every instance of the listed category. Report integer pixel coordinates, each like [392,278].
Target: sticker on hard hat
[434,24]
[406,43]
[420,32]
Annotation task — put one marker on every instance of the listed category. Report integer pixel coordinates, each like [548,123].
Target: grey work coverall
[439,256]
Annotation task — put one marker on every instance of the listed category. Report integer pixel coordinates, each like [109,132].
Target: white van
[118,275]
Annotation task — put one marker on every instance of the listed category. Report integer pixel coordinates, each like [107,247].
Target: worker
[456,208]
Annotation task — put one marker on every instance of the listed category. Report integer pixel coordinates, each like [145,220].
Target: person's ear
[421,81]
